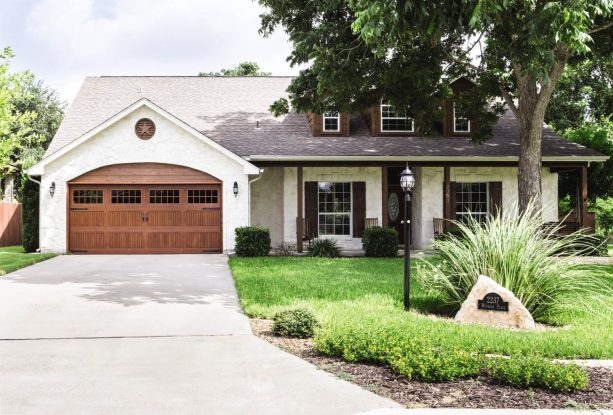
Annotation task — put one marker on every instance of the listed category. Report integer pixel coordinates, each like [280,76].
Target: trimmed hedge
[252,241]
[298,323]
[30,206]
[380,242]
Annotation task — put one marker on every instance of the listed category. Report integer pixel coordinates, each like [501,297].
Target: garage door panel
[87,219]
[126,240]
[164,218]
[146,218]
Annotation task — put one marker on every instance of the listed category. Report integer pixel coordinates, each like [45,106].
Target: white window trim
[487,201]
[335,235]
[323,122]
[412,130]
[454,123]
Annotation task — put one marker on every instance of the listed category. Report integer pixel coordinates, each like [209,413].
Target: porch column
[299,209]
[583,197]
[446,195]
[385,196]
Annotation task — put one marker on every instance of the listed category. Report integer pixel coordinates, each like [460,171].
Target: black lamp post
[407,182]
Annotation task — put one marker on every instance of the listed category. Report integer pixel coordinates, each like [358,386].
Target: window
[334,208]
[92,197]
[332,121]
[125,196]
[461,123]
[164,196]
[393,121]
[471,199]
[202,196]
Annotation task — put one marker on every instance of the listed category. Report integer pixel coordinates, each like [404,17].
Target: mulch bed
[474,393]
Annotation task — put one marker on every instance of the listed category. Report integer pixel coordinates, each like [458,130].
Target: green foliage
[298,323]
[530,372]
[242,69]
[599,136]
[324,248]
[252,241]
[30,214]
[516,251]
[380,242]
[604,216]
[285,249]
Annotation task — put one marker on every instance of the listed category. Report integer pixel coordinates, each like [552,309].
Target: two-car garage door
[145,218]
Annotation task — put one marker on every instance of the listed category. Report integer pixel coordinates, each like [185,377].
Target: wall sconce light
[235,189]
[52,189]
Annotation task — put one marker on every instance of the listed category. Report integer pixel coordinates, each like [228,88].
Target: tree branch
[599,28]
[509,101]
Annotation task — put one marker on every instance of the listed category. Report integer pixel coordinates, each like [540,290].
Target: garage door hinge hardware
[77,251]
[78,209]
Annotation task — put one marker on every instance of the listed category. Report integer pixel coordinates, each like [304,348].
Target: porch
[339,200]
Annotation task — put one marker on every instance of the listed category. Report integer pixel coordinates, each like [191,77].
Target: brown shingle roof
[226,109]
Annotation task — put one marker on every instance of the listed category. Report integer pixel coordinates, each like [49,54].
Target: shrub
[29,203]
[297,322]
[528,372]
[252,241]
[324,248]
[593,245]
[380,242]
[604,215]
[285,249]
[520,254]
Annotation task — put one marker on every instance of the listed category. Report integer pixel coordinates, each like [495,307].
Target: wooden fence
[10,223]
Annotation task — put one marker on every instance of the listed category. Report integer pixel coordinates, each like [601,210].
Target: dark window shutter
[495,198]
[452,208]
[310,207]
[359,208]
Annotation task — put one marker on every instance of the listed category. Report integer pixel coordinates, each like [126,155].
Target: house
[175,164]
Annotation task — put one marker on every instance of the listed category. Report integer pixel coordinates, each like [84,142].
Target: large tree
[408,51]
[242,69]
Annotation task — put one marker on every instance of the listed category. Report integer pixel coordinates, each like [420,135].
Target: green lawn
[12,258]
[356,289]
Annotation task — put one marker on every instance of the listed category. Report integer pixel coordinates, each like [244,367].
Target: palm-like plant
[515,250]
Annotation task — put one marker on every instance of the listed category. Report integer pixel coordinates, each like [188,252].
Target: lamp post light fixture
[235,189]
[407,182]
[52,189]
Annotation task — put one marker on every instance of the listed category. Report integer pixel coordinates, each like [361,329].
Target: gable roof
[226,110]
[38,168]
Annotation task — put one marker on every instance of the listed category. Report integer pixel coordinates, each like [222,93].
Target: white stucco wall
[118,144]
[370,175]
[429,194]
[267,202]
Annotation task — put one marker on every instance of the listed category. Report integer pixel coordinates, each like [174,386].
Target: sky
[63,41]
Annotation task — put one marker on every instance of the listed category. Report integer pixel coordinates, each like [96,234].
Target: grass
[367,287]
[13,258]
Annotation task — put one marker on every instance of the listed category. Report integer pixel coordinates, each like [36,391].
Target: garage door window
[202,196]
[89,197]
[164,196]
[125,196]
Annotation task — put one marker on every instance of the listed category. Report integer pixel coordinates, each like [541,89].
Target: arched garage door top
[145,173]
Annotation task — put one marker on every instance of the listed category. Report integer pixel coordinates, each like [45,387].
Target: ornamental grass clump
[517,251]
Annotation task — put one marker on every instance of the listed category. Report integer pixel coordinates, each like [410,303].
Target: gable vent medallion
[144,129]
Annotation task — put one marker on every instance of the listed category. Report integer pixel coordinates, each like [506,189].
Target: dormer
[385,120]
[332,123]
[457,122]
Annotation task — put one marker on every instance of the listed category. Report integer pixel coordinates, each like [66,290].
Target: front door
[395,202]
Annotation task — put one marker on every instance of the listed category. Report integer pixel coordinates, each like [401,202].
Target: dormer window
[461,122]
[331,122]
[395,121]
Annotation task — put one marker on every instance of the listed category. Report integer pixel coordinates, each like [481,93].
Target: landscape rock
[517,315]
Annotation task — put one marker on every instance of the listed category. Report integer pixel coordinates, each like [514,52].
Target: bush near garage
[380,242]
[252,241]
[29,203]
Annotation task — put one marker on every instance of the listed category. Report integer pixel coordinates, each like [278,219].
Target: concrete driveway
[159,334]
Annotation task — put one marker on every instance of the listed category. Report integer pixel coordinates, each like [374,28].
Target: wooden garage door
[152,218]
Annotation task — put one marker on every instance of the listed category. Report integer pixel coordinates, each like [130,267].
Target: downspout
[249,196]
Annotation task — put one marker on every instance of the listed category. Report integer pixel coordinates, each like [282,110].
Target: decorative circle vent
[144,129]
